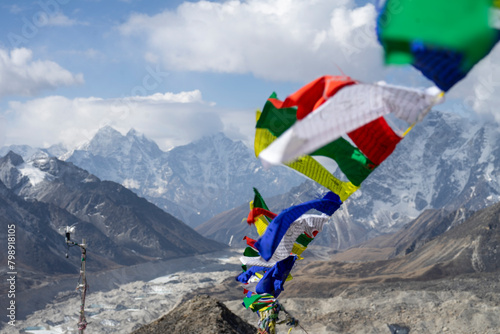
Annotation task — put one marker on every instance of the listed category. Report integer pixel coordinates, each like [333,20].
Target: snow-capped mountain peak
[444,162]
[193,182]
[34,174]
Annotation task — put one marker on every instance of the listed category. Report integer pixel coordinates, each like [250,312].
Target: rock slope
[43,196]
[127,221]
[200,315]
[447,284]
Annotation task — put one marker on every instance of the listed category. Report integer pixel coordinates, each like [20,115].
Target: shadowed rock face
[397,329]
[39,198]
[200,315]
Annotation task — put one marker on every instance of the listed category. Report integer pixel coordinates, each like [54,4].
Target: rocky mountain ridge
[45,195]
[200,315]
[193,182]
[445,162]
[447,284]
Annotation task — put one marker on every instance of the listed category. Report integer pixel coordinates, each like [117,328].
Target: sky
[177,70]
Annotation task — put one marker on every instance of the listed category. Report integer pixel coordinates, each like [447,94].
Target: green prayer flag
[351,161]
[459,25]
[247,301]
[258,201]
[250,252]
[304,240]
[354,164]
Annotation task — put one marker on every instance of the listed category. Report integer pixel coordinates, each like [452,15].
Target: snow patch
[164,279]
[35,175]
[131,184]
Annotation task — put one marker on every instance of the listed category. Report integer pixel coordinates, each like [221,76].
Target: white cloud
[293,40]
[21,75]
[479,91]
[280,40]
[3,130]
[169,119]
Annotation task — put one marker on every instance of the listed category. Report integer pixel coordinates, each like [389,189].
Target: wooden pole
[82,324]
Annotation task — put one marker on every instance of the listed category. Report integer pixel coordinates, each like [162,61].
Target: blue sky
[177,70]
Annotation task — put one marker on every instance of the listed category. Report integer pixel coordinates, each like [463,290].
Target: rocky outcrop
[200,315]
